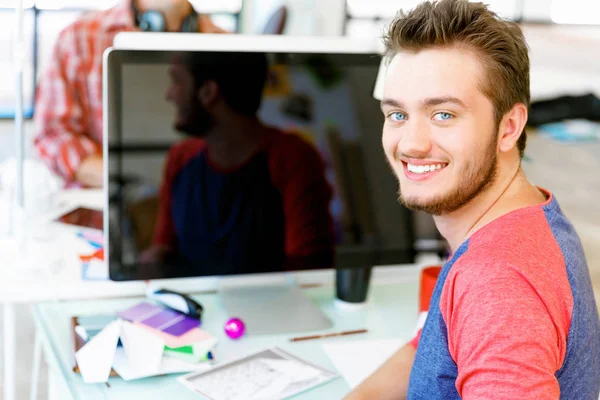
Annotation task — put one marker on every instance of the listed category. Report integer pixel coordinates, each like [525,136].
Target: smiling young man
[513,314]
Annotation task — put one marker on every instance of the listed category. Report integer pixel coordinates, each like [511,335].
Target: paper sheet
[141,355]
[95,270]
[293,370]
[356,360]
[143,350]
[168,365]
[270,374]
[95,359]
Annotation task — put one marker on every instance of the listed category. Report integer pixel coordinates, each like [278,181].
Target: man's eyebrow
[436,101]
[392,103]
[428,102]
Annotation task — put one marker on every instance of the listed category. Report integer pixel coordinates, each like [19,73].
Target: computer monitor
[232,155]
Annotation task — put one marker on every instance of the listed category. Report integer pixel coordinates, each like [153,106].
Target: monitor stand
[271,304]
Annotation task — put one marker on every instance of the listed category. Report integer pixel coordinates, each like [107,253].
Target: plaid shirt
[68,104]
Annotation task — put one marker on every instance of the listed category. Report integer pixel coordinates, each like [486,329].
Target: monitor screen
[226,163]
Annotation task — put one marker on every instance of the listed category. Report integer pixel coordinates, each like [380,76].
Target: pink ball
[235,328]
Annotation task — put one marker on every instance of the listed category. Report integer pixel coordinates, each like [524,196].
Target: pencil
[298,339]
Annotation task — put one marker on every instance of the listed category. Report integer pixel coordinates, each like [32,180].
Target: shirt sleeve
[61,141]
[506,340]
[164,231]
[299,173]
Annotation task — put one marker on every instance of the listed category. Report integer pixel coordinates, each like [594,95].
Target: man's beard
[196,122]
[476,179]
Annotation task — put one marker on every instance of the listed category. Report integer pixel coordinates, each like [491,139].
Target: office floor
[569,171]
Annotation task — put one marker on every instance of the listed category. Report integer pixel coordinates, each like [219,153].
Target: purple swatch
[160,318]
[182,327]
[139,312]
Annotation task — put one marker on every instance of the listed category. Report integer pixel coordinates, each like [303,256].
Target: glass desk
[391,312]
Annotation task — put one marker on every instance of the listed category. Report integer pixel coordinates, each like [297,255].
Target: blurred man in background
[237,196]
[68,105]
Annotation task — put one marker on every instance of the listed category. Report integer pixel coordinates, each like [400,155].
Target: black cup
[352,284]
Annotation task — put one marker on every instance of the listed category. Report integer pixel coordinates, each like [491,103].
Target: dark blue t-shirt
[228,221]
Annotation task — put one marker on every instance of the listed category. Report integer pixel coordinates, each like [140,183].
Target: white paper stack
[141,355]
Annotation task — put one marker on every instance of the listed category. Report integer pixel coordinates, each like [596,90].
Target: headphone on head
[154,21]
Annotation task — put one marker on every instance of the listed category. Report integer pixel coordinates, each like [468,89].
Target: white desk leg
[52,390]
[37,363]
[10,348]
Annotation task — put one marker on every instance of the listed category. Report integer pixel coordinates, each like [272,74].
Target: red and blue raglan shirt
[268,214]
[512,316]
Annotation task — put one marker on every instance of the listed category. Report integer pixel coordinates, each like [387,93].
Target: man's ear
[511,127]
[208,93]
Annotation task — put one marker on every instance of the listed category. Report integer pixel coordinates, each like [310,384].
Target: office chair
[276,23]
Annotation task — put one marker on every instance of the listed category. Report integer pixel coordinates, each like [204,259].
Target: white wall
[563,60]
[305,17]
[537,10]
[315,17]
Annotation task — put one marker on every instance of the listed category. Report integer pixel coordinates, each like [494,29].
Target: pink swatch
[191,337]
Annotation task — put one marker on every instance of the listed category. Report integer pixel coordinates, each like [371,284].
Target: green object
[196,352]
[183,349]
[186,353]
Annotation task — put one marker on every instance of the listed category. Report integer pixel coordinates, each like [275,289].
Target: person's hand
[90,172]
[205,25]
[390,381]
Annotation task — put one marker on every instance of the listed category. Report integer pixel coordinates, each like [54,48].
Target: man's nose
[415,140]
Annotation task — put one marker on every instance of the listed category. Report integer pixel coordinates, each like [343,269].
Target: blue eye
[442,116]
[397,116]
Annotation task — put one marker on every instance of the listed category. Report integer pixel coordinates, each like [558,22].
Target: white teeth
[420,169]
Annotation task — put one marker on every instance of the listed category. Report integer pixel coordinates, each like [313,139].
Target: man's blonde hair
[499,44]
